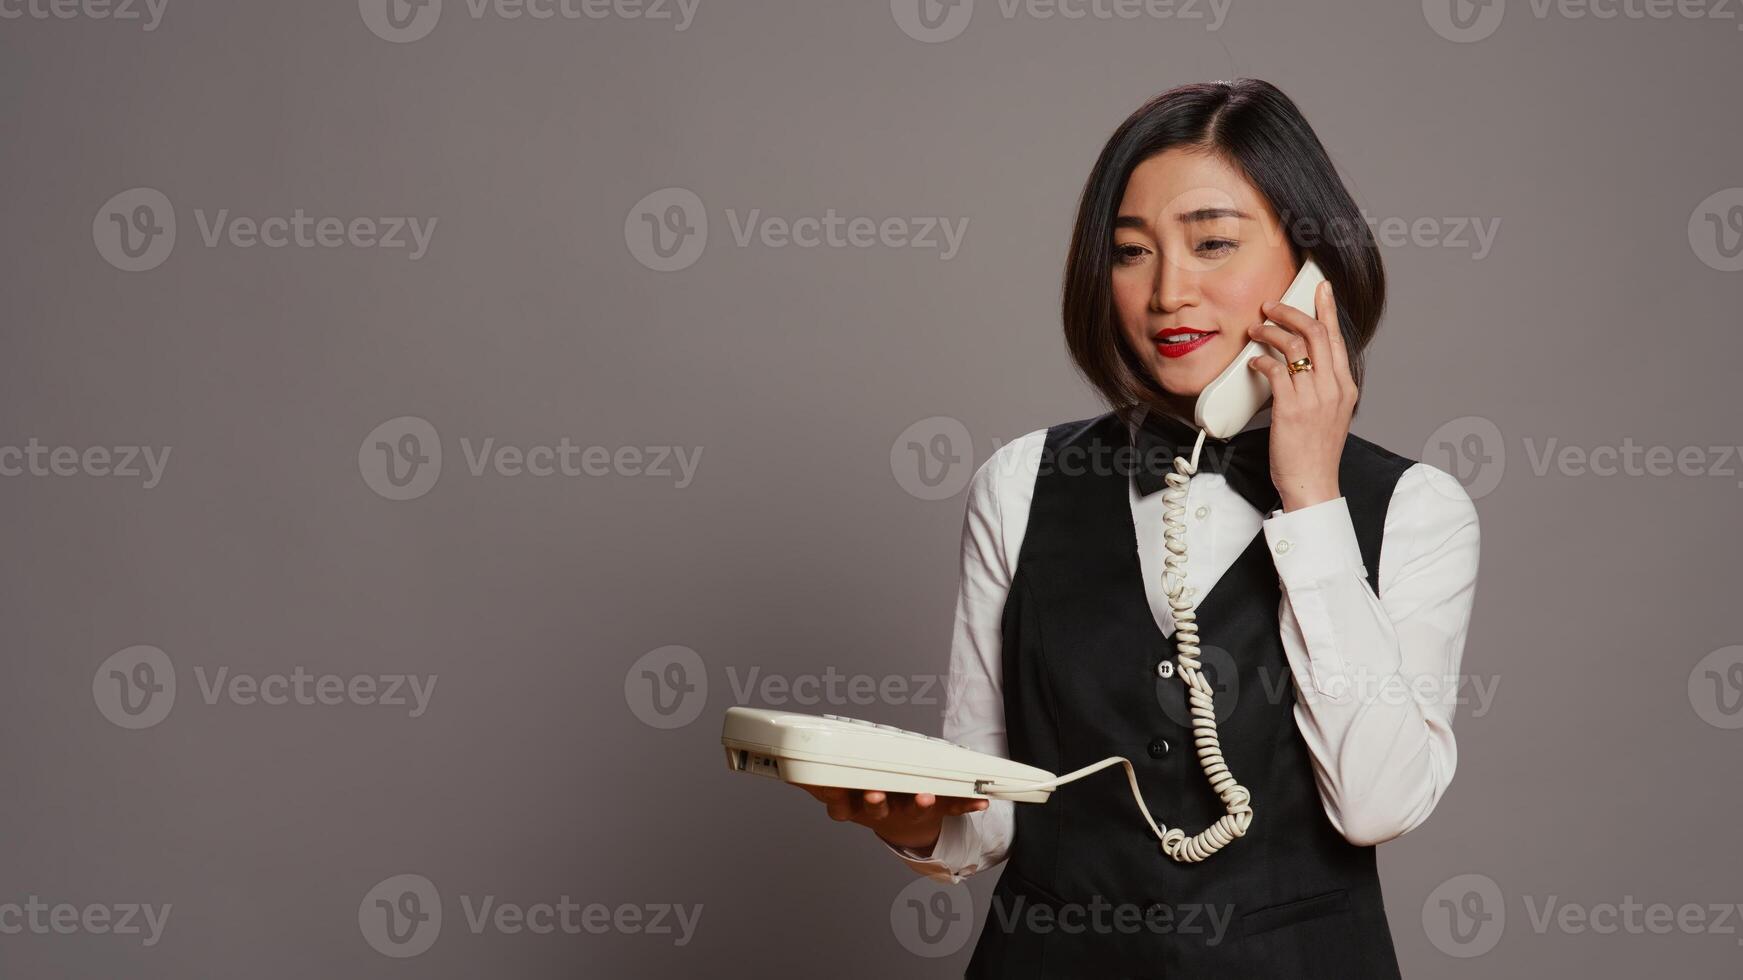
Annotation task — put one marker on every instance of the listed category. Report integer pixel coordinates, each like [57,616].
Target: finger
[1290,345]
[1311,331]
[1314,345]
[958,805]
[1340,353]
[1283,391]
[1293,347]
[1325,354]
[873,809]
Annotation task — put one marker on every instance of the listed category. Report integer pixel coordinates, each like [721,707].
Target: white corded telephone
[1230,401]
[830,750]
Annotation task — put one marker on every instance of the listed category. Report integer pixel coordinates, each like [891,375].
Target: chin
[1184,382]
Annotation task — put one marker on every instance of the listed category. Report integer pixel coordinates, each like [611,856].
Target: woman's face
[1196,247]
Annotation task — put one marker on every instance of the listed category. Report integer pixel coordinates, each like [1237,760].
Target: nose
[1175,286]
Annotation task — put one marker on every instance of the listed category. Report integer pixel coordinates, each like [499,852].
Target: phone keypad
[890,728]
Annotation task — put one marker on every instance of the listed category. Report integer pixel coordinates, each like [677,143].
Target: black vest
[1087,891]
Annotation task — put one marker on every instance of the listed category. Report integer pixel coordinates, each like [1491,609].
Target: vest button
[1158,748]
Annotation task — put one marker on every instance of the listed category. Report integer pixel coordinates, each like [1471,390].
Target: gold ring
[1303,364]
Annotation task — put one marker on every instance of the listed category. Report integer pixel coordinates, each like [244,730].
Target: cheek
[1131,305]
[1237,305]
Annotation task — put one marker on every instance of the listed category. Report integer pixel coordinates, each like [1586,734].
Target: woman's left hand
[1310,410]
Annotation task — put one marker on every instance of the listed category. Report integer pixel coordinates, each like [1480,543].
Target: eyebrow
[1185,217]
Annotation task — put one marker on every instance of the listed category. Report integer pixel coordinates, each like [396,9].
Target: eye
[1129,253]
[1214,246]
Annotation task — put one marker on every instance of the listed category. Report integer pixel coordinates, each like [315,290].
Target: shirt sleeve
[974,715]
[1377,678]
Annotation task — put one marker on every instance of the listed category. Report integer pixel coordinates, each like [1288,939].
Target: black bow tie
[1243,459]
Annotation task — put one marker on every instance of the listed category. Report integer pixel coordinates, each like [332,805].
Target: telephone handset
[831,750]
[1230,401]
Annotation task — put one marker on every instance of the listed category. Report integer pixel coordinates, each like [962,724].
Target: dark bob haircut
[1254,127]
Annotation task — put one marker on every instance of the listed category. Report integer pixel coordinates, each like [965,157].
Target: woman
[1327,595]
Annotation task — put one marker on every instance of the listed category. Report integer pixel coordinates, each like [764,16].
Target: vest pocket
[1290,913]
[1034,893]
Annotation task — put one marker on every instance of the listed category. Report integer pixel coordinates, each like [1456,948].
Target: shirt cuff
[943,864]
[1314,544]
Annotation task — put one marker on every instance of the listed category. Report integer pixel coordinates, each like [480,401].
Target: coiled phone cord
[1237,801]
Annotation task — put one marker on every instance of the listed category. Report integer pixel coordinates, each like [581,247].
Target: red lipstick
[1168,347]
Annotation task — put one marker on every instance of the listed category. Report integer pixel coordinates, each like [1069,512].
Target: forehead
[1180,180]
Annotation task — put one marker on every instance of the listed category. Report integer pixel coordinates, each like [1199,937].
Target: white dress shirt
[1377,679]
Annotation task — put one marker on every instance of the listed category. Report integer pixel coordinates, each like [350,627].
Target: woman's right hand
[910,820]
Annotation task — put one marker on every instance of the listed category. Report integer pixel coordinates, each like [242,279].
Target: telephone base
[849,753]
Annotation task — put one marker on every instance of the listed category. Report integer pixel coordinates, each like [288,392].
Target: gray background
[1597,316]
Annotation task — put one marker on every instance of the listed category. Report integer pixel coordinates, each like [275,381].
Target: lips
[1168,343]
